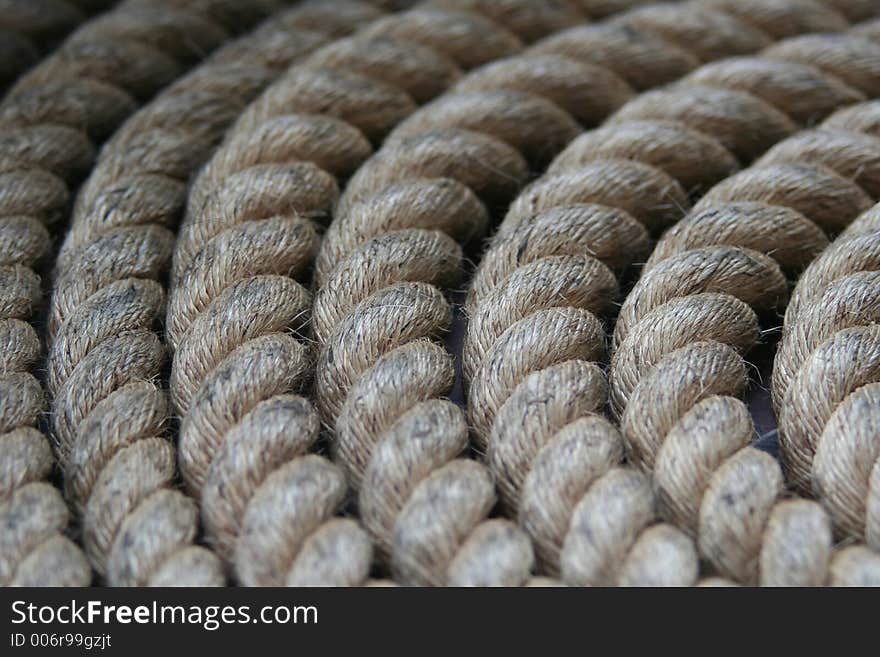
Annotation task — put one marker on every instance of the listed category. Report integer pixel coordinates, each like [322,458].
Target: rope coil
[50,123]
[252,228]
[825,372]
[699,298]
[550,270]
[109,417]
[432,121]
[377,305]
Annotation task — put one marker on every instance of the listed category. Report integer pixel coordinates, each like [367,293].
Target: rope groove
[553,267]
[252,227]
[108,416]
[50,122]
[387,250]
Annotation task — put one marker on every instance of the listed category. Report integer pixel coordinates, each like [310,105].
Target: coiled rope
[551,266]
[388,250]
[252,227]
[49,125]
[825,377]
[678,369]
[254,218]
[108,415]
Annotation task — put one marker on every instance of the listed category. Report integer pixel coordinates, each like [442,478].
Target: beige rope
[251,228]
[552,265]
[558,468]
[387,249]
[108,418]
[825,379]
[677,369]
[49,123]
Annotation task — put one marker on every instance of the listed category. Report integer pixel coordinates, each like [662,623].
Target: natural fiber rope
[557,462]
[250,229]
[48,124]
[381,258]
[31,28]
[107,300]
[826,374]
[677,370]
[533,297]
[835,262]
[778,209]
[136,408]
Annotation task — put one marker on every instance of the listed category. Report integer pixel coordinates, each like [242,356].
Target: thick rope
[557,462]
[678,369]
[252,228]
[108,417]
[388,250]
[551,267]
[50,123]
[826,379]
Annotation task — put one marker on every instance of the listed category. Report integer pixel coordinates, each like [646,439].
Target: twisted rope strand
[49,125]
[699,299]
[592,520]
[108,417]
[203,344]
[517,114]
[550,270]
[825,379]
[393,240]
[252,227]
